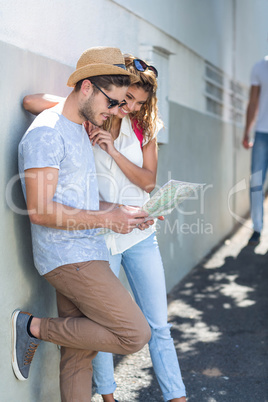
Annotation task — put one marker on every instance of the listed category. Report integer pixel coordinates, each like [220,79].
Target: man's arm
[41,185]
[252,110]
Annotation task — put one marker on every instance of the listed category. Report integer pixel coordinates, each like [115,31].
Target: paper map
[163,202]
[169,196]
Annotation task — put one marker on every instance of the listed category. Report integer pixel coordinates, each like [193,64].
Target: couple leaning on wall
[79,153]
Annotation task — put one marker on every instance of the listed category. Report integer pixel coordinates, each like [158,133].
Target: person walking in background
[125,151]
[59,182]
[257,112]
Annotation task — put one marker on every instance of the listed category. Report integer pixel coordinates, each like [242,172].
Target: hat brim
[94,70]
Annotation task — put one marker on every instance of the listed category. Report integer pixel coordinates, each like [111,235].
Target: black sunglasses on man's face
[112,102]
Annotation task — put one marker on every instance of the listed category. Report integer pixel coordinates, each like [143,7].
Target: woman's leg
[144,269]
[103,366]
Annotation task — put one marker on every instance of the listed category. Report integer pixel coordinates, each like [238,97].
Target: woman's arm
[36,103]
[144,177]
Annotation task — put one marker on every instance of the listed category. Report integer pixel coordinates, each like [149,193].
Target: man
[257,109]
[58,178]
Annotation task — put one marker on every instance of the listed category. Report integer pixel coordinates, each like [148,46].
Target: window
[214,90]
[225,98]
[237,102]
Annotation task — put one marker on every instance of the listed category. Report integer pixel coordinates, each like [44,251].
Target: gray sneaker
[23,345]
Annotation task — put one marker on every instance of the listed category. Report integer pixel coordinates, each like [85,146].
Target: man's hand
[247,143]
[149,222]
[125,218]
[252,110]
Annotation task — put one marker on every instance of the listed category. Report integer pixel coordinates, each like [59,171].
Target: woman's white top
[114,186]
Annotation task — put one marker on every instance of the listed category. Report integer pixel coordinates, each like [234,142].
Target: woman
[125,150]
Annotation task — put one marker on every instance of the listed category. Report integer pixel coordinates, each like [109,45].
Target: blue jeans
[144,269]
[259,164]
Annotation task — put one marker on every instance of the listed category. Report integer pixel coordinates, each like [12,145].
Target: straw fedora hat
[100,61]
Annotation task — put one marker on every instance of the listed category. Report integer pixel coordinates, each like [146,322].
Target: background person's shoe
[255,238]
[23,345]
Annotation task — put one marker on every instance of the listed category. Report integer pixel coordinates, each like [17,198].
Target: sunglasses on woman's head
[140,65]
[113,102]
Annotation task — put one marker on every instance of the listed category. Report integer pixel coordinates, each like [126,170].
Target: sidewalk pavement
[219,314]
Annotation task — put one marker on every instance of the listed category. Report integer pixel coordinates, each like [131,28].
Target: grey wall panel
[201,149]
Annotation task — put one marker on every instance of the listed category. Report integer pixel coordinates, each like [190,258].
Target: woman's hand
[104,139]
[89,127]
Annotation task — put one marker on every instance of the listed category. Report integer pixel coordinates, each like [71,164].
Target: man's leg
[258,172]
[111,321]
[75,364]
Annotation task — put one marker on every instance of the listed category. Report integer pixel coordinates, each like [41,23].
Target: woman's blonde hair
[147,117]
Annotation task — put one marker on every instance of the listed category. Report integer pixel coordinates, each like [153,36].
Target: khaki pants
[96,313]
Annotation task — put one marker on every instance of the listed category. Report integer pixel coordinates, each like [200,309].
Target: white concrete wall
[207,27]
[191,23]
[40,41]
[251,31]
[231,34]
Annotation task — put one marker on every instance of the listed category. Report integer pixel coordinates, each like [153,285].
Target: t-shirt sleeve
[42,147]
[255,76]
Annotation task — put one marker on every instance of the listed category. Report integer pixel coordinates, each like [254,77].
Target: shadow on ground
[220,328]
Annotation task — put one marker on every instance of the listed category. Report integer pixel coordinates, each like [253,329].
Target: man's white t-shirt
[259,77]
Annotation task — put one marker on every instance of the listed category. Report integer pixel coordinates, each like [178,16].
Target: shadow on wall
[22,286]
[36,74]
[30,291]
[36,299]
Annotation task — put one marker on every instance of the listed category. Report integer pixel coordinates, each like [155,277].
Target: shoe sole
[254,243]
[15,366]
